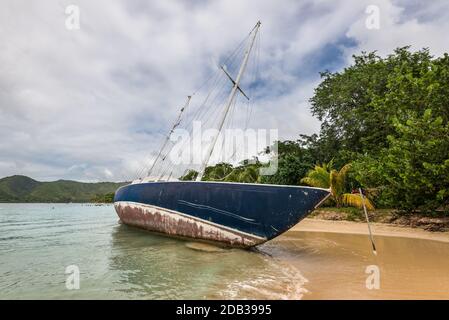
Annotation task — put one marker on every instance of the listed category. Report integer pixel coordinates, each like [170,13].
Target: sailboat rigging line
[231,117]
[222,82]
[190,128]
[239,47]
[229,102]
[207,110]
[211,114]
[256,75]
[233,82]
[227,125]
[213,210]
[217,73]
[255,70]
[218,81]
[249,102]
[213,87]
[212,111]
[167,139]
[226,59]
[145,167]
[211,76]
[161,165]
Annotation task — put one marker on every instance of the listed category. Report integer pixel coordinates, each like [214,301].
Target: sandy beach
[380,229]
[333,257]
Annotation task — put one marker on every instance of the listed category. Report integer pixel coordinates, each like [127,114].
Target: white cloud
[422,25]
[91,104]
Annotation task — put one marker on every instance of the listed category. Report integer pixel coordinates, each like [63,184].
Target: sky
[91,104]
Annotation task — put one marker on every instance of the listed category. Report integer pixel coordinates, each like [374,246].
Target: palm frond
[313,182]
[344,170]
[318,177]
[333,177]
[338,180]
[355,200]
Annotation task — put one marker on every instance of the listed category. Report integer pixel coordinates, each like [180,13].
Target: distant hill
[24,189]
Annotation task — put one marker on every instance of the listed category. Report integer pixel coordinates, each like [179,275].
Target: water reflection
[158,267]
[119,262]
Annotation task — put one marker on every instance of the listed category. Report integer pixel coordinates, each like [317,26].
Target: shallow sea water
[39,241]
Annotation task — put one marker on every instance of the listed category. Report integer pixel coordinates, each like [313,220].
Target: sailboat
[226,213]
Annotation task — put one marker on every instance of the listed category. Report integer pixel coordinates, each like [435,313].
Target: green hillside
[25,189]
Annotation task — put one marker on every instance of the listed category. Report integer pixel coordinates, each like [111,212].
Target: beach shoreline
[335,257]
[380,229]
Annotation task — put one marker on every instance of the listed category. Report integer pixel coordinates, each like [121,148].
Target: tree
[357,105]
[217,172]
[325,177]
[293,163]
[413,171]
[247,171]
[190,175]
[389,117]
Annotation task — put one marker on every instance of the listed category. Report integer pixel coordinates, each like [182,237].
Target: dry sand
[381,229]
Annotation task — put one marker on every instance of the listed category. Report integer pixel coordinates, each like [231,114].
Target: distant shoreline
[22,189]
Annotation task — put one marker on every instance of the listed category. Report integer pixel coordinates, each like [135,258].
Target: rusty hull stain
[169,222]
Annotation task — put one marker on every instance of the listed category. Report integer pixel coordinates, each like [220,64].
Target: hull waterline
[232,214]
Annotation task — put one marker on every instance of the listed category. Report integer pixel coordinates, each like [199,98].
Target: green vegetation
[190,175]
[245,172]
[413,171]
[104,198]
[294,161]
[387,117]
[325,177]
[25,189]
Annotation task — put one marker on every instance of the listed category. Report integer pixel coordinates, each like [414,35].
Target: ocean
[81,251]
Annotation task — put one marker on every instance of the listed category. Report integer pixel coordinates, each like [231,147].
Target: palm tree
[325,177]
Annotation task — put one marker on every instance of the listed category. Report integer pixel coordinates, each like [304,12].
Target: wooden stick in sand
[367,221]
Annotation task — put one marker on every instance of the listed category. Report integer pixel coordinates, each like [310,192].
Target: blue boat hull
[234,214]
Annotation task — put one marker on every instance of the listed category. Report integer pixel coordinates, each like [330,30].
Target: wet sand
[333,257]
[315,260]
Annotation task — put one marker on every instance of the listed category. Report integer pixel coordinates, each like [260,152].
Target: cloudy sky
[90,104]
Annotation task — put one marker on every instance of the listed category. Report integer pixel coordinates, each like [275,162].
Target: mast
[178,120]
[229,102]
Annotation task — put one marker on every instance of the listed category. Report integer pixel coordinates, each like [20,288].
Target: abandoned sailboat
[234,214]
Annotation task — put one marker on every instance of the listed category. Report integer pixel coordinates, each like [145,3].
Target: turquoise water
[39,241]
